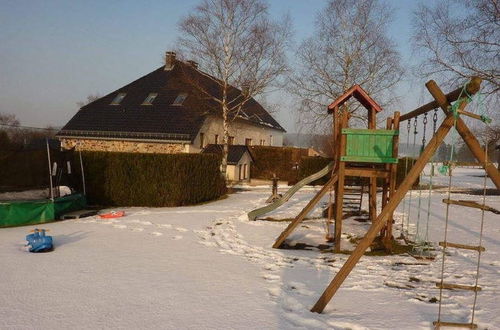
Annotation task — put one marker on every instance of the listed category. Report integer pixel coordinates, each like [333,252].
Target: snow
[208,267]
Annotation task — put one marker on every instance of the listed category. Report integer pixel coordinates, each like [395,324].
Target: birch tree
[350,45]
[239,46]
[458,39]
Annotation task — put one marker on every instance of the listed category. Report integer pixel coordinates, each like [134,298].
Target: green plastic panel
[32,212]
[369,145]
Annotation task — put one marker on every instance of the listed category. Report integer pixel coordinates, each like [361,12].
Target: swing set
[373,153]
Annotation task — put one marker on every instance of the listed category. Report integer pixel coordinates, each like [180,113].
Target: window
[240,172]
[262,142]
[216,139]
[248,142]
[244,171]
[149,100]
[202,138]
[270,140]
[230,140]
[117,100]
[180,99]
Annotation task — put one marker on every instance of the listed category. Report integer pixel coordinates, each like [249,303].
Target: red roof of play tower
[360,95]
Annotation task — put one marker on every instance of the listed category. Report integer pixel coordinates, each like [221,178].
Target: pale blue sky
[54,53]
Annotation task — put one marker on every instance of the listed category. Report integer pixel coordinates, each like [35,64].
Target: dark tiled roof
[161,120]
[235,152]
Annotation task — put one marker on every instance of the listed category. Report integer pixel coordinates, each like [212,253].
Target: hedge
[273,160]
[155,180]
[311,165]
[22,170]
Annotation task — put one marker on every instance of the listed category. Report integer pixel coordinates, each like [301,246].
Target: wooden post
[384,215]
[304,212]
[372,190]
[339,195]
[392,182]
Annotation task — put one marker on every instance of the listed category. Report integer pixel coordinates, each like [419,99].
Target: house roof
[160,121]
[359,94]
[235,152]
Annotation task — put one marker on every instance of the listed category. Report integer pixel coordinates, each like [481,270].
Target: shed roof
[235,152]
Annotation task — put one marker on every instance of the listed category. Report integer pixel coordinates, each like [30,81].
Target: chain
[435,119]
[425,126]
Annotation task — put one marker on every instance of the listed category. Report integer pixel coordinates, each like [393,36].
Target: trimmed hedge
[273,160]
[21,170]
[311,165]
[155,180]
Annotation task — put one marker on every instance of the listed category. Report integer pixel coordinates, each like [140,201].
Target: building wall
[123,146]
[233,171]
[240,130]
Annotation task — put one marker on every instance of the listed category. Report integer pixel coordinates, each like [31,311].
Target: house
[239,160]
[165,112]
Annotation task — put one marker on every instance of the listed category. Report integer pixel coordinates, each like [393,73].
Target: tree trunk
[225,139]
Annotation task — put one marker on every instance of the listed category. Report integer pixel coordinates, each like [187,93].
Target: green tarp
[21,213]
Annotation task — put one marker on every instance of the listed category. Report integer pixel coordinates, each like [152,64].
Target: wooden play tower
[363,153]
[373,153]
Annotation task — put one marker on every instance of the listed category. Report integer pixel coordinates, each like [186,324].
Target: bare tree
[90,98]
[237,44]
[349,46]
[459,39]
[8,120]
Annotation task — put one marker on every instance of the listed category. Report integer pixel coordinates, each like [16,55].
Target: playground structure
[373,153]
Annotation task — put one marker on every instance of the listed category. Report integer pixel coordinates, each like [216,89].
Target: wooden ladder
[450,286]
[353,198]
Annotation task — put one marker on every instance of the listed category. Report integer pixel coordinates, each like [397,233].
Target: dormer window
[118,99]
[180,99]
[149,100]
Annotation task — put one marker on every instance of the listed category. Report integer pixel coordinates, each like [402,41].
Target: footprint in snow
[178,237]
[181,229]
[156,233]
[271,277]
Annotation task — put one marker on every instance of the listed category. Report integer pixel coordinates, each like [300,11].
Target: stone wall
[122,146]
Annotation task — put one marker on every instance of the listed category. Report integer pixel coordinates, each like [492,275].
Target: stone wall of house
[123,146]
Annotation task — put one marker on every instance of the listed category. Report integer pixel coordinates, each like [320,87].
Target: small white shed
[239,161]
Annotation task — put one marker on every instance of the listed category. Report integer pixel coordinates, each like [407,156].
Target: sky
[54,53]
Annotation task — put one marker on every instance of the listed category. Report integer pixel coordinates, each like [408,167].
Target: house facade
[164,112]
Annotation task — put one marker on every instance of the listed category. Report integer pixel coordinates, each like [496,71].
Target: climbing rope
[480,233]
[449,170]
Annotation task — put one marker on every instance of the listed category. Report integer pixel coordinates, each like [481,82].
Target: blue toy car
[39,242]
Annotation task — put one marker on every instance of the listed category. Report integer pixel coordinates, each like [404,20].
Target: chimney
[193,64]
[169,60]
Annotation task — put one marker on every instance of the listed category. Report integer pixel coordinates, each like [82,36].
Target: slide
[252,215]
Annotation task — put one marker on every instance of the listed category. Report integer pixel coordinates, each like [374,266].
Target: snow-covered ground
[208,267]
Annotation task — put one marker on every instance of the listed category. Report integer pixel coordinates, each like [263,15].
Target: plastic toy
[39,242]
